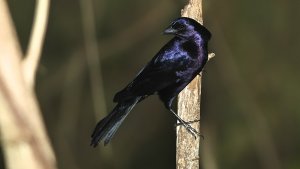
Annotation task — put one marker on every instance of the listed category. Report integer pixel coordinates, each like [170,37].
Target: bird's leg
[189,128]
[190,122]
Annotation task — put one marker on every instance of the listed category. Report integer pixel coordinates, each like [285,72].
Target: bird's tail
[107,127]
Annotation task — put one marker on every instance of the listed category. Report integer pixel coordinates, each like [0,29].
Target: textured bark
[23,136]
[189,110]
[187,147]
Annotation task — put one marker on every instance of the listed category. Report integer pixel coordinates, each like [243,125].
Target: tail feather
[107,127]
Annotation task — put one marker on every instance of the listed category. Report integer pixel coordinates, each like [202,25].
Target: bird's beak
[170,30]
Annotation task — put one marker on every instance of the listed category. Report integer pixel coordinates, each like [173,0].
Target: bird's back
[176,61]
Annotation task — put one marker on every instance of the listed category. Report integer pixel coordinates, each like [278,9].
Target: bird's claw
[190,129]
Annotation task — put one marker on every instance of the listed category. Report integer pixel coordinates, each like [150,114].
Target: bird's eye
[177,26]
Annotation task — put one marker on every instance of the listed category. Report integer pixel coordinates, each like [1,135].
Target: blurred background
[250,113]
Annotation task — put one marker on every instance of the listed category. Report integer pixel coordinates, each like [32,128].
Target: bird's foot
[190,129]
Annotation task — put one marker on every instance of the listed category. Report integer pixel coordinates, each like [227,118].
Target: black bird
[169,72]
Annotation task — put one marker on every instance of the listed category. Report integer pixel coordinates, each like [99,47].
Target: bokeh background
[250,114]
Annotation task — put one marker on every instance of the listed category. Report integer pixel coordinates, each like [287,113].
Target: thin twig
[94,66]
[92,57]
[32,57]
[211,55]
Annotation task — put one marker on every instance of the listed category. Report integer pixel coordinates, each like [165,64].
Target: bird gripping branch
[167,74]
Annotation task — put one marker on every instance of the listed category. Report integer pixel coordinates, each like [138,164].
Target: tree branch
[23,135]
[187,147]
[31,60]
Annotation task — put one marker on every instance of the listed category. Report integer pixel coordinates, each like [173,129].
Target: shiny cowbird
[168,73]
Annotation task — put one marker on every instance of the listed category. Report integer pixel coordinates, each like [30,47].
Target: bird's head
[184,27]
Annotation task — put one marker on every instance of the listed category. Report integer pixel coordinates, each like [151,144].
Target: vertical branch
[32,57]
[94,65]
[187,147]
[92,56]
[23,135]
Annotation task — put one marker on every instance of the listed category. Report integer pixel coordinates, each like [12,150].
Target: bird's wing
[157,74]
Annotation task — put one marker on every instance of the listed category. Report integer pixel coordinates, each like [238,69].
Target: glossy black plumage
[170,70]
